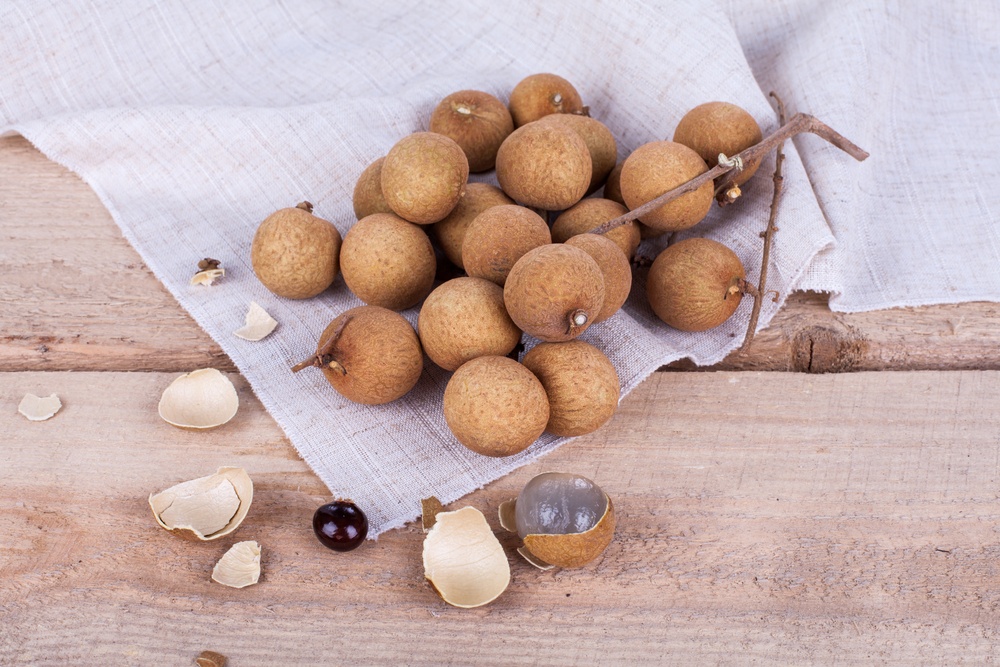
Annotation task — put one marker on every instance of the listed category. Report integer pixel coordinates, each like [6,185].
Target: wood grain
[764,518]
[71,280]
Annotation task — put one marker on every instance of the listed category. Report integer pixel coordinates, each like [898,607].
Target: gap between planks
[784,518]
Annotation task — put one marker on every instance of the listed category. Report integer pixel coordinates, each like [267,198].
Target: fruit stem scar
[577,319]
[761,290]
[462,109]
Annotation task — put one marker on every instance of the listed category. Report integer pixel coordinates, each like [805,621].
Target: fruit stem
[798,124]
[768,235]
[577,319]
[305,206]
[324,354]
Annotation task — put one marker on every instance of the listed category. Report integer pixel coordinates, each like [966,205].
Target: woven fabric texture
[193,121]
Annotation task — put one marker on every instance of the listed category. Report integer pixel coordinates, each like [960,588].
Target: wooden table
[765,515]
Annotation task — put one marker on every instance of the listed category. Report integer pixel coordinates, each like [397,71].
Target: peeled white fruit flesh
[557,503]
[201,399]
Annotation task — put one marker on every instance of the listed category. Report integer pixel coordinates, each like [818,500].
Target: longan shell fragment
[371,355]
[544,165]
[388,262]
[693,285]
[615,268]
[554,292]
[478,122]
[720,127]
[450,232]
[423,177]
[591,213]
[539,95]
[498,237]
[495,406]
[294,253]
[600,143]
[465,318]
[658,167]
[581,383]
[574,549]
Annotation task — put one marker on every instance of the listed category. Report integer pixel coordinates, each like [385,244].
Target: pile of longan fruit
[416,208]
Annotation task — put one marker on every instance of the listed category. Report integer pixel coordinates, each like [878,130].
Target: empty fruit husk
[203,398]
[206,508]
[463,559]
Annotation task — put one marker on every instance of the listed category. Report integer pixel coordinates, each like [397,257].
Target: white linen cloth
[194,121]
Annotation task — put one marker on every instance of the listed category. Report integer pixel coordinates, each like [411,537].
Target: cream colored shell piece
[206,508]
[463,559]
[239,567]
[39,409]
[203,398]
[258,324]
[207,277]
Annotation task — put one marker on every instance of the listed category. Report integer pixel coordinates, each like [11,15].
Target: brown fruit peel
[429,509]
[574,549]
[534,560]
[191,506]
[211,659]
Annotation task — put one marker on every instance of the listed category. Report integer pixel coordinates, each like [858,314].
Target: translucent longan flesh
[557,503]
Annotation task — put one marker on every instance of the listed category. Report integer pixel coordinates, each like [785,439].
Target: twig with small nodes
[798,124]
[727,192]
[768,234]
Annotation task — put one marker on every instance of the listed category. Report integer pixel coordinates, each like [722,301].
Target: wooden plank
[78,297]
[780,518]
